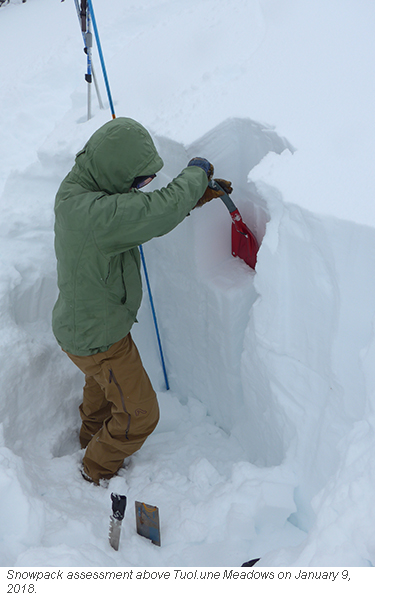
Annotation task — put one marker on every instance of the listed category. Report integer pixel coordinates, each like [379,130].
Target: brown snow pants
[119,409]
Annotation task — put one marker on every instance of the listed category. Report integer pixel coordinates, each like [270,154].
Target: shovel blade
[147,522]
[244,243]
[115,532]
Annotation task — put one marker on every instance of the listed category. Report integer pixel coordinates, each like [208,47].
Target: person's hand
[204,164]
[211,192]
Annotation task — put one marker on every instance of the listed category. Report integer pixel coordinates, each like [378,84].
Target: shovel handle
[225,197]
[118,506]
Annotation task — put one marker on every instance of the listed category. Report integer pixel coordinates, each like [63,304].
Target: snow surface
[265,446]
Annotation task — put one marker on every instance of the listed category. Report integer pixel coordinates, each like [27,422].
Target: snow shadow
[32,301]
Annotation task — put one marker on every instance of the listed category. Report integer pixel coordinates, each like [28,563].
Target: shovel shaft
[228,202]
[226,199]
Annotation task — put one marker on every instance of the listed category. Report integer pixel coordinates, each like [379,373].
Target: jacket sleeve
[131,219]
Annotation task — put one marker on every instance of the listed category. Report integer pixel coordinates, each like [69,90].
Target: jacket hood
[115,155]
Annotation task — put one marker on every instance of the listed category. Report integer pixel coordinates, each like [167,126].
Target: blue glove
[204,164]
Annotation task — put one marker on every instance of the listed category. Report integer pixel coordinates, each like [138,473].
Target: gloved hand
[211,193]
[204,164]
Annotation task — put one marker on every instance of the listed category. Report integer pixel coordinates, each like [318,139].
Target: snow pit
[265,447]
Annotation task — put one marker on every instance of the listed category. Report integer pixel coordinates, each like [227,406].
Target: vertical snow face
[279,356]
[307,367]
[205,295]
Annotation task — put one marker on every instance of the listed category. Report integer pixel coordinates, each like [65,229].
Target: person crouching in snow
[101,218]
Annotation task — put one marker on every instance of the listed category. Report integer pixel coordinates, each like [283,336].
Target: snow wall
[282,357]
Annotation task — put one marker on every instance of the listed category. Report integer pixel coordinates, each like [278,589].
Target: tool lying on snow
[244,243]
[250,563]
[147,522]
[118,513]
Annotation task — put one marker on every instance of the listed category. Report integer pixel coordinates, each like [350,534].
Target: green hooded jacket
[99,224]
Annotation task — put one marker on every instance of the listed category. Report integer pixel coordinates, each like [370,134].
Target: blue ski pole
[154,316]
[103,66]
[92,14]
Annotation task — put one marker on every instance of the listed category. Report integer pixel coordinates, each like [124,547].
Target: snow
[265,447]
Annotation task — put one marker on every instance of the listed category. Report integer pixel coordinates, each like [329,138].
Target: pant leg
[94,410]
[134,407]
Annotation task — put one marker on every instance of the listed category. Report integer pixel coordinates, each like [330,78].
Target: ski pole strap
[84,32]
[103,66]
[83,15]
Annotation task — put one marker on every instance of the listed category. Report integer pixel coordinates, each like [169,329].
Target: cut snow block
[147,522]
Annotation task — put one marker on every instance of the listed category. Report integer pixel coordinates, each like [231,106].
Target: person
[101,218]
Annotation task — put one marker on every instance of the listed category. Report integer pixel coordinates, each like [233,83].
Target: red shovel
[244,243]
